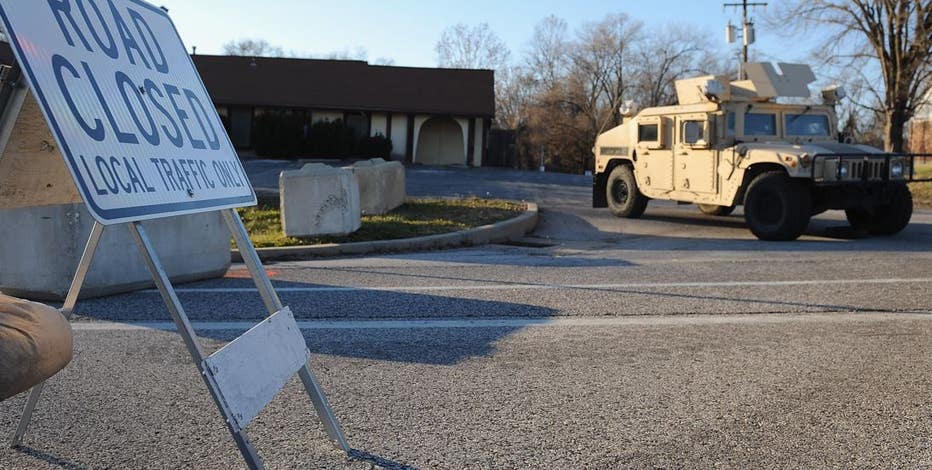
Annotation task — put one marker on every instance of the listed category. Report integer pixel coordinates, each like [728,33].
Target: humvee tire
[712,209]
[624,197]
[887,219]
[777,208]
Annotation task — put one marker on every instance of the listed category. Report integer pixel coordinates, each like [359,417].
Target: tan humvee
[731,143]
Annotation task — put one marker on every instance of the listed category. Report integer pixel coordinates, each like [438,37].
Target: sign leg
[273,304]
[70,300]
[324,412]
[187,333]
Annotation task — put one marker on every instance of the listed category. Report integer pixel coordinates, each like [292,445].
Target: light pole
[747,31]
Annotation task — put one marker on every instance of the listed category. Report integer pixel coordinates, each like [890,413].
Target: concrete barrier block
[381,185]
[42,246]
[319,200]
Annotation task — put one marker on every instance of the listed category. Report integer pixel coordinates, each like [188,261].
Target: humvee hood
[822,148]
[839,148]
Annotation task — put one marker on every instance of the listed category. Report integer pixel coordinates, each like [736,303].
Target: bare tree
[602,61]
[666,55]
[252,47]
[890,39]
[471,47]
[383,61]
[581,91]
[548,57]
[359,53]
[515,92]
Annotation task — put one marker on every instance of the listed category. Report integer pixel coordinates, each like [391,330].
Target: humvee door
[654,154]
[695,162]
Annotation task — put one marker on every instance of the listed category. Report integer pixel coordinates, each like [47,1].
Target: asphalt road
[676,340]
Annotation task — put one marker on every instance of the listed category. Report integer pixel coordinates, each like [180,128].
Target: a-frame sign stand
[230,389]
[246,374]
[280,319]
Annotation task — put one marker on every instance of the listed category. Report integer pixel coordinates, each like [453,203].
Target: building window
[358,123]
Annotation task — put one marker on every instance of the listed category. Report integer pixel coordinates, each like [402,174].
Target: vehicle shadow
[822,235]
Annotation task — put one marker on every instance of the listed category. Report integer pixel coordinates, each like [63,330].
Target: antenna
[747,31]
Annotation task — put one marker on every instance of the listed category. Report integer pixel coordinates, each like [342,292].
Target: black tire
[776,207]
[887,219]
[711,209]
[624,197]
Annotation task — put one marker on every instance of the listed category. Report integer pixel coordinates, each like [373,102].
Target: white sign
[130,113]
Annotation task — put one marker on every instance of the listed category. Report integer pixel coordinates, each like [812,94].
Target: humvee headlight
[805,160]
[896,169]
[842,170]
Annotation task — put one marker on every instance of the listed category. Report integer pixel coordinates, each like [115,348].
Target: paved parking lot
[677,340]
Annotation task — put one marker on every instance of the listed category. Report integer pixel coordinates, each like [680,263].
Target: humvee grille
[869,170]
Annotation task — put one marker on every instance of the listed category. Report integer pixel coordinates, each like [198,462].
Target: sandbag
[35,343]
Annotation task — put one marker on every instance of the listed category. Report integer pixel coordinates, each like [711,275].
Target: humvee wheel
[624,197]
[712,209]
[776,207]
[886,219]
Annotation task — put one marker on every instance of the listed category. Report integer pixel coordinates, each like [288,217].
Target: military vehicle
[732,143]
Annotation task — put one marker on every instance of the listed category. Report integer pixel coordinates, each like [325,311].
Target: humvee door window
[807,125]
[648,133]
[692,131]
[760,124]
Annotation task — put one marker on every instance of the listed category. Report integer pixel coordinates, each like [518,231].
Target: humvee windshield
[760,124]
[807,125]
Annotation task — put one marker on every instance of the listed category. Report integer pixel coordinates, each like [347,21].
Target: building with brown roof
[432,116]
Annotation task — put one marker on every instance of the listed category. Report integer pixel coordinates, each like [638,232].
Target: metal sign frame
[234,421]
[269,297]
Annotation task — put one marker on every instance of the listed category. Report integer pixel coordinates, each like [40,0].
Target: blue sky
[407,30]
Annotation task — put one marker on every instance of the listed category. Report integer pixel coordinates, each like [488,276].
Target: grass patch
[922,192]
[414,219]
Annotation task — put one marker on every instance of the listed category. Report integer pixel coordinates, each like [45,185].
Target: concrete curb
[505,230]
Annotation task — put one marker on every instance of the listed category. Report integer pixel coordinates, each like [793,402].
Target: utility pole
[747,31]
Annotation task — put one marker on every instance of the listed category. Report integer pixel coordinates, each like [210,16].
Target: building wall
[464,127]
[395,126]
[399,136]
[479,143]
[379,124]
[418,124]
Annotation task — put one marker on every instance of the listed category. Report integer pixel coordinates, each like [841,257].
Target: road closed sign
[130,113]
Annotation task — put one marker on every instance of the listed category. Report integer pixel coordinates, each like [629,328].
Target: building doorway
[440,142]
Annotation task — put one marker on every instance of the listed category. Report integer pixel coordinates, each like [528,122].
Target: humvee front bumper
[844,169]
